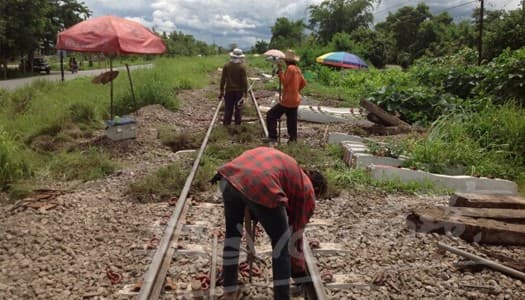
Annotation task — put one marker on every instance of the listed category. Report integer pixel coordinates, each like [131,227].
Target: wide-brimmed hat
[236,53]
[290,55]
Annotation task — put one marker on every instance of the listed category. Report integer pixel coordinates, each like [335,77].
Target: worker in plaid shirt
[280,195]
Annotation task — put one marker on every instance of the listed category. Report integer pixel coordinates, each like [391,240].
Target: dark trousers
[291,121]
[232,103]
[274,222]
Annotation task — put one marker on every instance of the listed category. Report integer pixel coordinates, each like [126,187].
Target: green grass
[40,123]
[486,143]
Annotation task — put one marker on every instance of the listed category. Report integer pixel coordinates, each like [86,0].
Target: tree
[286,33]
[404,26]
[24,26]
[372,46]
[63,14]
[503,30]
[261,46]
[180,44]
[27,25]
[333,16]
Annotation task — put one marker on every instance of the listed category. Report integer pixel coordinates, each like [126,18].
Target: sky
[247,21]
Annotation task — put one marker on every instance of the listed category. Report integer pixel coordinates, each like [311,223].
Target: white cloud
[245,22]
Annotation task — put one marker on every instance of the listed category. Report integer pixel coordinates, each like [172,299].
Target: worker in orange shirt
[293,82]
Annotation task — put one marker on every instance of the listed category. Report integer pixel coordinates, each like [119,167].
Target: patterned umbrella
[342,59]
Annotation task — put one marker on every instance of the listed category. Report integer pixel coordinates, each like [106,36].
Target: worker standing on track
[293,82]
[234,87]
[280,195]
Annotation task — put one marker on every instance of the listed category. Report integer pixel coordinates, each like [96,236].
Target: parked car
[41,65]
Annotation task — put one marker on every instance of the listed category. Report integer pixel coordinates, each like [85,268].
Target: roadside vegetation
[469,105]
[44,127]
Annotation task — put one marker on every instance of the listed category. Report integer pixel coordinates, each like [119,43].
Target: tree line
[405,35]
[333,25]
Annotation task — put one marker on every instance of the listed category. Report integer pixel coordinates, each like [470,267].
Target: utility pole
[480,42]
[523,10]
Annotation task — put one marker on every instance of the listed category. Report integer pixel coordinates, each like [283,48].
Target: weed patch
[179,141]
[86,165]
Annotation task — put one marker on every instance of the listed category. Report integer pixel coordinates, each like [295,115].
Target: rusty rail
[259,114]
[313,271]
[156,274]
[155,277]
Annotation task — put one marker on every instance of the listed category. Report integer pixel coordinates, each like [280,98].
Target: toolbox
[121,128]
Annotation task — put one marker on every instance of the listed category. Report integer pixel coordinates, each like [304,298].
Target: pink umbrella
[274,53]
[112,36]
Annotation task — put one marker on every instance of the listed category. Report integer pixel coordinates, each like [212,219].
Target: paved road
[13,84]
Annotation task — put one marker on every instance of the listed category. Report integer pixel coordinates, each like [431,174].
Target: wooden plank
[383,115]
[473,230]
[500,214]
[487,201]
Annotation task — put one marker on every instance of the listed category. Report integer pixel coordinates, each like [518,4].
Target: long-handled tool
[279,101]
[249,226]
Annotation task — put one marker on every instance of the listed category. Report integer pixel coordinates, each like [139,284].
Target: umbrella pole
[131,84]
[111,89]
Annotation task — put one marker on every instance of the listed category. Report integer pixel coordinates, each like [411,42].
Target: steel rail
[156,274]
[213,275]
[259,114]
[313,271]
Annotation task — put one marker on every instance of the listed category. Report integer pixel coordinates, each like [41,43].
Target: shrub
[82,112]
[12,164]
[504,77]
[490,142]
[419,105]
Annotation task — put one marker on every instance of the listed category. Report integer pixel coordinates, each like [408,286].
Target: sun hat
[236,53]
[290,55]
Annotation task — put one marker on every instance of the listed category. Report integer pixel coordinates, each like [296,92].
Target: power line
[389,8]
[452,7]
[439,11]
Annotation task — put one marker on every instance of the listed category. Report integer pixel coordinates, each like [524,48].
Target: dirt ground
[94,230]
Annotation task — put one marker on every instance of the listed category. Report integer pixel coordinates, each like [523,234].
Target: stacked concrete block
[459,184]
[387,168]
[356,152]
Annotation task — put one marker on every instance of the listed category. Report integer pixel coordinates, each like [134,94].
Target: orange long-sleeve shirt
[293,82]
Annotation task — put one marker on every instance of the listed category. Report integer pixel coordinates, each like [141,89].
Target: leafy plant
[420,105]
[504,78]
[12,164]
[385,149]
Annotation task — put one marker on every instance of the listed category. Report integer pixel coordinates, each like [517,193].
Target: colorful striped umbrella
[342,59]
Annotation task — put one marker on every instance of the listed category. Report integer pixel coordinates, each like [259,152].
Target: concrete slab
[355,156]
[460,184]
[338,137]
[325,114]
[363,160]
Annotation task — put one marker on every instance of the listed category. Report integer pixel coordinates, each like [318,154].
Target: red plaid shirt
[270,177]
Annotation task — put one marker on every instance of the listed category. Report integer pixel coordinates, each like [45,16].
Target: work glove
[216,178]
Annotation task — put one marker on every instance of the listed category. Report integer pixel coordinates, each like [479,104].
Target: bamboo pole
[489,263]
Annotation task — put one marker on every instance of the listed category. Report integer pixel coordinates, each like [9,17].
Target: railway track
[188,225]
